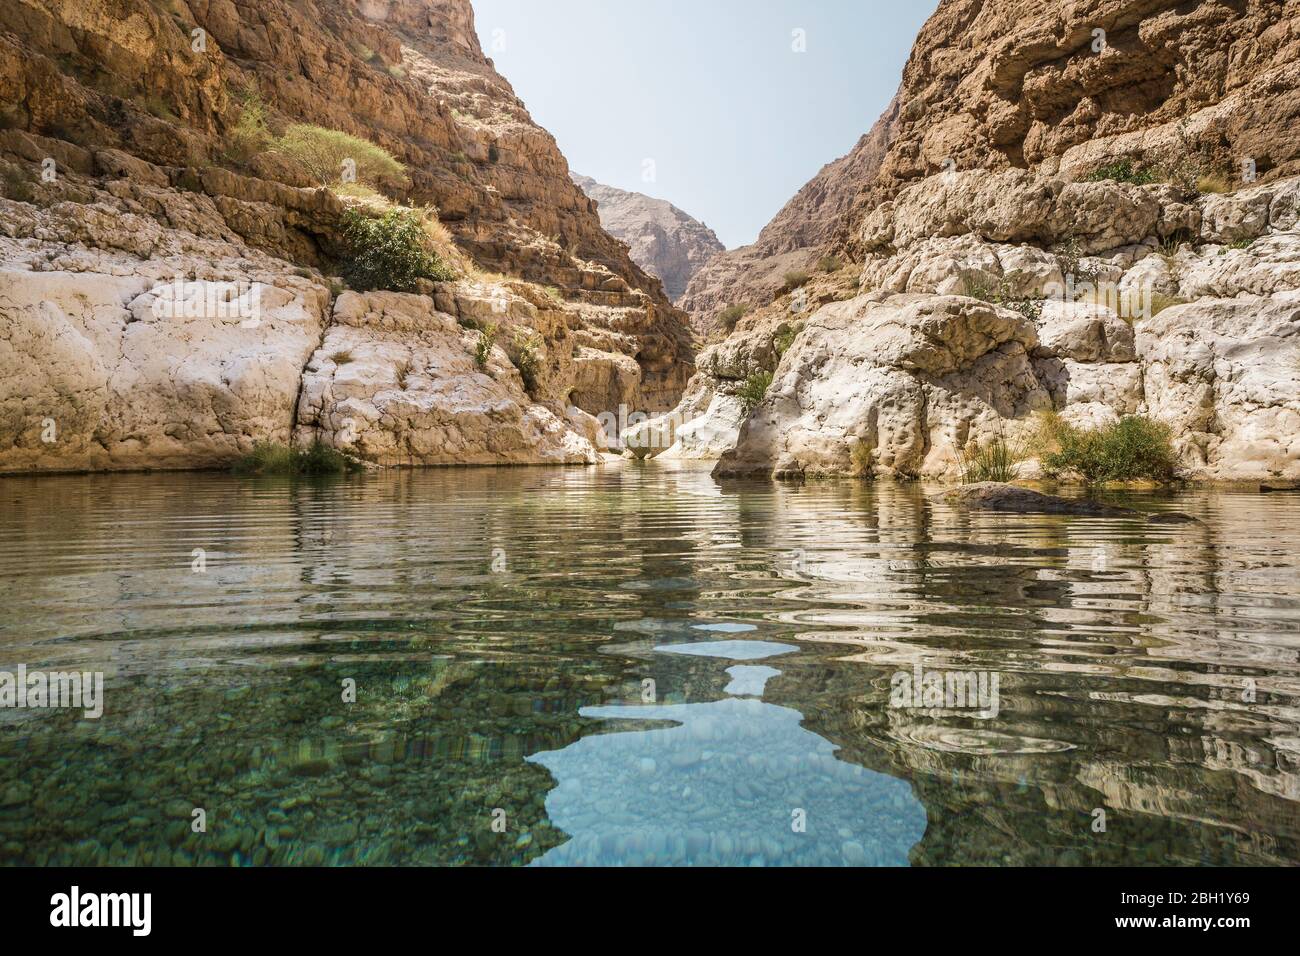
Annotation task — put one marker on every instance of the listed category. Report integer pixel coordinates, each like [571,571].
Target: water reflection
[734,782]
[1152,672]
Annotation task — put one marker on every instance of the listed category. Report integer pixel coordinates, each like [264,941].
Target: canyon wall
[804,232]
[1086,209]
[120,176]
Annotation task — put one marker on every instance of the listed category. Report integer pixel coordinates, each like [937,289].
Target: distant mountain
[665,241]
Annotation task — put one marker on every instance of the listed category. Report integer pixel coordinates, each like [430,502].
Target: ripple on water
[579,649]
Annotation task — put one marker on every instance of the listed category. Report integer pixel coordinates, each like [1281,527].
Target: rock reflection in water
[1151,672]
[733,782]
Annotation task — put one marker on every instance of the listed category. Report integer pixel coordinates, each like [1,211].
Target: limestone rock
[147,188]
[1225,374]
[865,379]
[107,372]
[395,382]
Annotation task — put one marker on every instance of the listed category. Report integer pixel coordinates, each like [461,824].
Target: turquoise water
[640,665]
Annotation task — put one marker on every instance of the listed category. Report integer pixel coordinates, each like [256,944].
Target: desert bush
[1184,171]
[1124,171]
[528,359]
[274,459]
[782,341]
[487,338]
[794,279]
[1003,293]
[754,389]
[251,134]
[323,153]
[731,315]
[829,264]
[864,465]
[1213,183]
[992,461]
[390,252]
[1131,449]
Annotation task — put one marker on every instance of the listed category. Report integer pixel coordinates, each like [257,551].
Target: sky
[705,103]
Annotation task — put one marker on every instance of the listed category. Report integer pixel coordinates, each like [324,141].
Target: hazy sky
[712,91]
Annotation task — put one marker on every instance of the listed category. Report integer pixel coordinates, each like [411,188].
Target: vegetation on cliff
[272,459]
[332,156]
[1131,449]
[390,252]
[995,460]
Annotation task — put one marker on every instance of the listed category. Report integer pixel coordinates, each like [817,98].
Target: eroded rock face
[396,382]
[664,241]
[126,344]
[1225,374]
[1014,85]
[117,174]
[986,186]
[98,376]
[982,317]
[902,383]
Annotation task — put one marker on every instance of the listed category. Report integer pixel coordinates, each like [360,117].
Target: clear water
[640,665]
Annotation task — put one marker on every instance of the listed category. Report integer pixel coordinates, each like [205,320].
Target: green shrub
[390,252]
[250,135]
[528,359]
[487,337]
[782,341]
[1131,449]
[794,279]
[274,459]
[1070,258]
[995,461]
[754,389]
[731,315]
[1124,171]
[1003,293]
[323,153]
[829,264]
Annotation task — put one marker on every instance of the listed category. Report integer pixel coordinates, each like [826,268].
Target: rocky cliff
[1087,209]
[663,240]
[125,170]
[804,233]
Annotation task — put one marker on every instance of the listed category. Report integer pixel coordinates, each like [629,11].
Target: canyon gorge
[1090,212]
